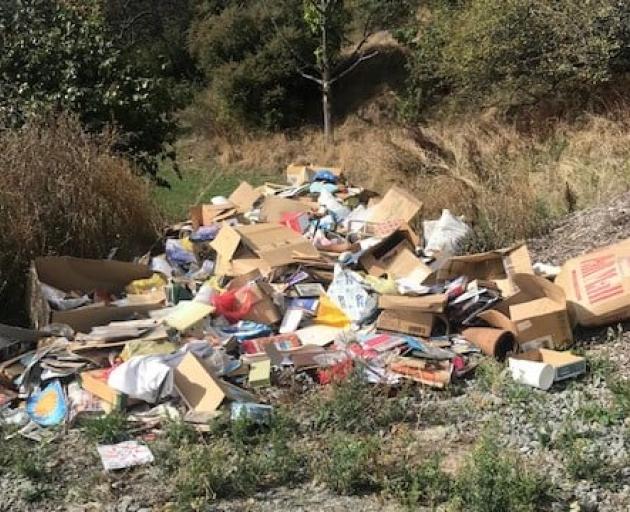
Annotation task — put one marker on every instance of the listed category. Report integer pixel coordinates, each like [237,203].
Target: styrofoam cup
[532,373]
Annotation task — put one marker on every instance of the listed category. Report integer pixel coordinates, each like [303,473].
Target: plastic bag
[234,304]
[445,236]
[329,313]
[348,293]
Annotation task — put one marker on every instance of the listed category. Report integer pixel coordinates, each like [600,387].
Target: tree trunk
[327,109]
[326,93]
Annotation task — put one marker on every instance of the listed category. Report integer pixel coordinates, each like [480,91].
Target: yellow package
[329,313]
[156,281]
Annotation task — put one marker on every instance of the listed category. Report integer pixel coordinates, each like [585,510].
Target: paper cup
[532,373]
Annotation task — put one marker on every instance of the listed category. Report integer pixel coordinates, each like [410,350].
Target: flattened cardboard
[497,266]
[86,275]
[274,244]
[406,322]
[425,303]
[244,197]
[539,319]
[203,391]
[396,204]
[274,208]
[597,285]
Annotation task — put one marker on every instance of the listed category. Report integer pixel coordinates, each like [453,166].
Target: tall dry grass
[510,183]
[65,192]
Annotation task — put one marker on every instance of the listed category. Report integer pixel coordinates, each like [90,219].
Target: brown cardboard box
[395,255]
[208,214]
[274,208]
[425,303]
[397,204]
[263,310]
[565,364]
[406,322]
[597,285]
[539,319]
[274,244]
[203,391]
[83,275]
[497,266]
[244,197]
[298,174]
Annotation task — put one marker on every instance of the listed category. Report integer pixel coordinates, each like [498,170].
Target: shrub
[511,52]
[60,55]
[250,54]
[351,465]
[65,192]
[357,406]
[426,484]
[493,480]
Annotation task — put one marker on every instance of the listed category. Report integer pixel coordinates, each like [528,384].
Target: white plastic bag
[445,236]
[146,378]
[348,293]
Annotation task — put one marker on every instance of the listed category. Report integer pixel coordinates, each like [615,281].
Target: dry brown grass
[507,182]
[64,192]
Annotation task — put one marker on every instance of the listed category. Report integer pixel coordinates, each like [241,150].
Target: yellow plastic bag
[156,281]
[329,313]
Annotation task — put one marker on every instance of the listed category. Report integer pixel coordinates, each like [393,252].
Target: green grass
[200,185]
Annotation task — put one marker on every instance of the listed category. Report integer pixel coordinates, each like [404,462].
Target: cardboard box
[597,285]
[395,255]
[208,214]
[406,322]
[298,174]
[273,245]
[84,276]
[565,364]
[244,197]
[263,309]
[201,389]
[274,208]
[95,381]
[538,319]
[397,204]
[426,303]
[498,266]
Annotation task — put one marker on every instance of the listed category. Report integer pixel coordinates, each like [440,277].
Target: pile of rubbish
[314,279]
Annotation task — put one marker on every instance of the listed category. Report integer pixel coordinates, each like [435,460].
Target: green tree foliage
[250,53]
[515,52]
[255,54]
[59,56]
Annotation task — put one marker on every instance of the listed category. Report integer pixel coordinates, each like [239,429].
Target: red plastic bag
[234,305]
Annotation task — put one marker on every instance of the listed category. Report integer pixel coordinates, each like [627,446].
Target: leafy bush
[493,480]
[60,56]
[250,54]
[65,192]
[351,465]
[511,52]
[357,406]
[426,484]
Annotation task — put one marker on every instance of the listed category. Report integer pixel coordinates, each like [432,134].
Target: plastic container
[538,375]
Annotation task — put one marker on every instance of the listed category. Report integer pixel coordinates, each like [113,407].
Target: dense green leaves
[511,52]
[59,56]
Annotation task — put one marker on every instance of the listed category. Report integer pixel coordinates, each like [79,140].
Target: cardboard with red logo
[597,285]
